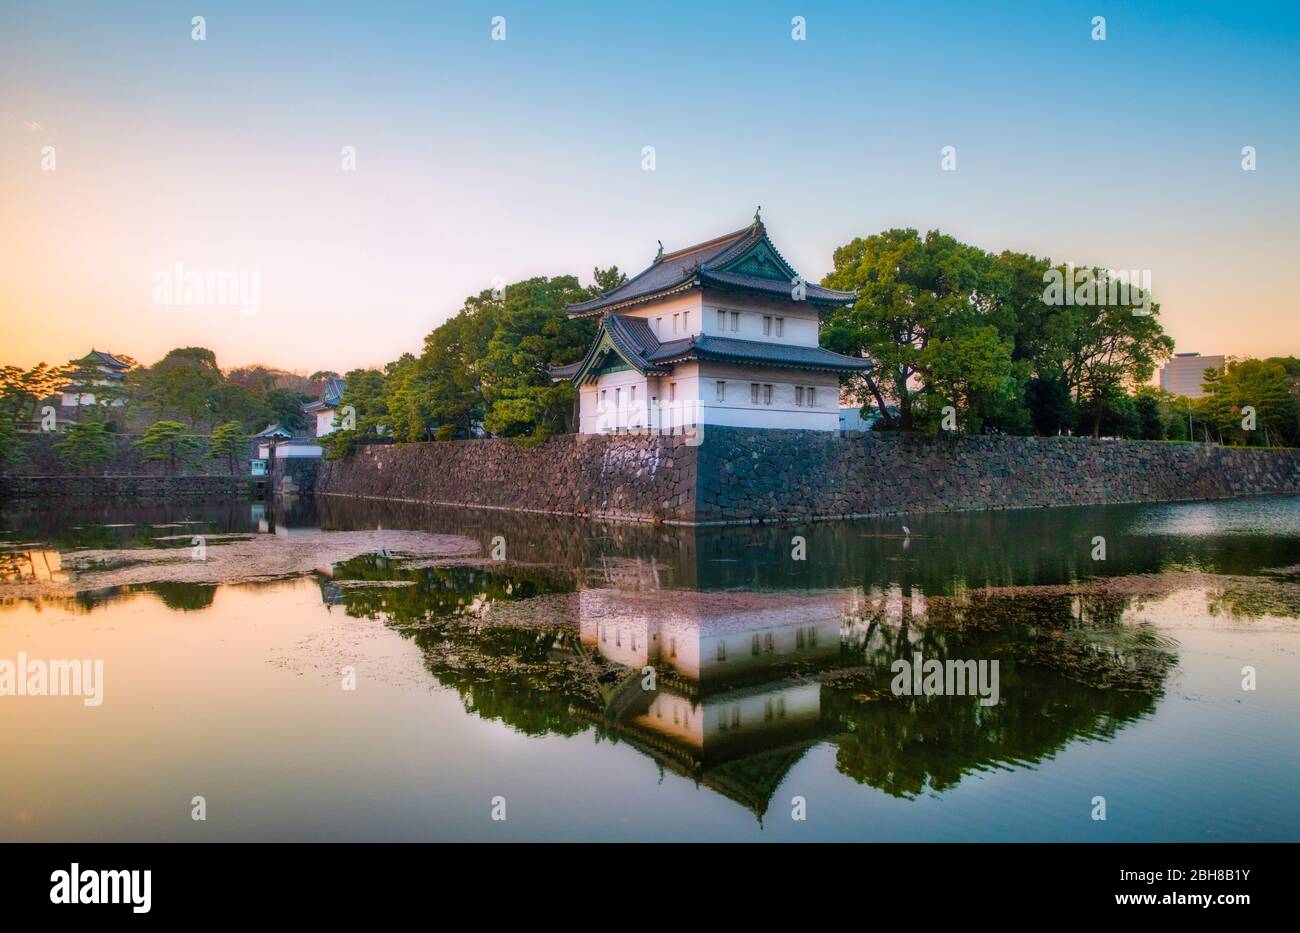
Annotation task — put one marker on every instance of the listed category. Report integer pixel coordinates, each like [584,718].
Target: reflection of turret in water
[717,686]
[709,642]
[730,689]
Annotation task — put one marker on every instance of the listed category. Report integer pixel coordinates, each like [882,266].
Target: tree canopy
[950,324]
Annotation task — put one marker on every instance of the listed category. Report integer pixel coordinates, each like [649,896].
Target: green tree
[1246,386]
[229,441]
[606,280]
[1152,408]
[1051,409]
[23,391]
[185,383]
[283,406]
[11,446]
[1107,347]
[532,333]
[85,444]
[452,377]
[972,371]
[914,295]
[365,407]
[170,441]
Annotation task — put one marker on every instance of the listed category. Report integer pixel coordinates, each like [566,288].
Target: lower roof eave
[769,364]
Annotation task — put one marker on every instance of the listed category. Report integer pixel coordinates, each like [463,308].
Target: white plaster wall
[687,307]
[674,715]
[654,407]
[725,716]
[619,411]
[738,409]
[696,399]
[801,321]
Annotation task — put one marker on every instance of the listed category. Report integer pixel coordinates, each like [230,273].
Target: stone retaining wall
[746,475]
[640,478]
[37,490]
[749,475]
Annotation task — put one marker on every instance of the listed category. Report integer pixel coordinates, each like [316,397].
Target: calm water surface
[523,679]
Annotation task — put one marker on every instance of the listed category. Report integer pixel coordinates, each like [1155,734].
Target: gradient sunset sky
[479,159]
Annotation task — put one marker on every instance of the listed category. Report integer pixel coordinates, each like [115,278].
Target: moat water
[595,681]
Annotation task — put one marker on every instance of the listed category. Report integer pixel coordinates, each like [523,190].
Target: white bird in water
[907,531]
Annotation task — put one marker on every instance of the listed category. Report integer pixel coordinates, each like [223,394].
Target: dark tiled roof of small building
[758,352]
[634,341]
[104,359]
[561,373]
[330,396]
[706,263]
[273,430]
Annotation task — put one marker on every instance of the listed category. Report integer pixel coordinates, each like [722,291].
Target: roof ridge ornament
[758,220]
[660,255]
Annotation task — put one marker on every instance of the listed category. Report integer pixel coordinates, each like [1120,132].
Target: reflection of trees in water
[528,678]
[524,678]
[1069,668]
[1057,654]
[185,597]
[907,745]
[127,524]
[1255,599]
[420,594]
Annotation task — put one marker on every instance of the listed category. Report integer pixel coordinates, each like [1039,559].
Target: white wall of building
[616,401]
[750,318]
[816,408]
[785,398]
[285,451]
[673,318]
[324,422]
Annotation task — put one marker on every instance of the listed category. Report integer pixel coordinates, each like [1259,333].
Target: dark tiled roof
[813,294]
[731,350]
[330,396]
[561,373]
[636,343]
[104,359]
[697,264]
[273,429]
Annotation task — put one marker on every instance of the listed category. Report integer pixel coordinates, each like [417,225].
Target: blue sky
[478,159]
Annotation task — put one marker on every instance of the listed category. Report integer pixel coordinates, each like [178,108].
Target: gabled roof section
[745,259]
[628,340]
[330,395]
[100,358]
[633,343]
[274,430]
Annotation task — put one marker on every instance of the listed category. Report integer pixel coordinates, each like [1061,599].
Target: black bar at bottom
[304,881]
